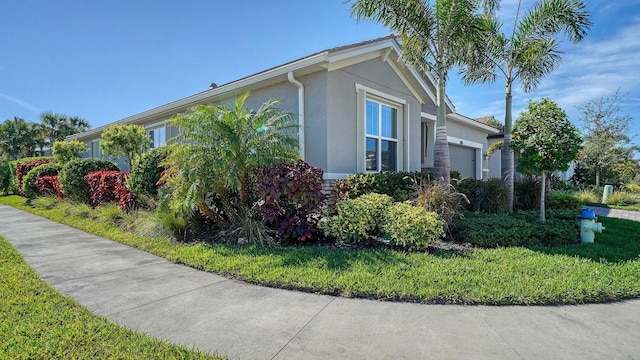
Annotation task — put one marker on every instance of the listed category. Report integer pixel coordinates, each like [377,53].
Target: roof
[328,59]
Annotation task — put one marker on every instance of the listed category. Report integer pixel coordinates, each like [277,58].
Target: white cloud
[21,103]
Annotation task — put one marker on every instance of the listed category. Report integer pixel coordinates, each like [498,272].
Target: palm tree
[59,126]
[16,139]
[221,147]
[39,135]
[529,53]
[434,36]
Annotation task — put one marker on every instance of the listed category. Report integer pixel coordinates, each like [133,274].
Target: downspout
[300,87]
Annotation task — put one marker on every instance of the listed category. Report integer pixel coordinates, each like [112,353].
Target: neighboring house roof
[473,123]
[388,48]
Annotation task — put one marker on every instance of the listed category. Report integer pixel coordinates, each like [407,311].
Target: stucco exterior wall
[342,112]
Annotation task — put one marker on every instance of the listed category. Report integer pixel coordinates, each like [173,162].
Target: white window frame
[365,93]
[97,144]
[379,138]
[152,128]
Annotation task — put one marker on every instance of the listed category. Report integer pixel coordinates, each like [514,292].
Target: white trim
[335,176]
[463,142]
[333,65]
[428,116]
[155,125]
[300,86]
[380,94]
[467,121]
[478,152]
[209,95]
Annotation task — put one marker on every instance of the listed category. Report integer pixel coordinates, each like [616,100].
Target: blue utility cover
[588,214]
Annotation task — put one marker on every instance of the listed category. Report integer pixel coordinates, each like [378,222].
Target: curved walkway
[615,213]
[189,307]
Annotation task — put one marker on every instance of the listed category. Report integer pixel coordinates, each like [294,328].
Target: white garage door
[463,160]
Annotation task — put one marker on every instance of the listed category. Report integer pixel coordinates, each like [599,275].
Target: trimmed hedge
[289,195]
[13,186]
[49,185]
[398,185]
[23,168]
[562,200]
[29,188]
[360,219]
[145,173]
[487,196]
[5,178]
[520,229]
[72,176]
[412,227]
[110,186]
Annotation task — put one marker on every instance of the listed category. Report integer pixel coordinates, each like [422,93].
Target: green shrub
[412,227]
[359,219]
[29,188]
[65,151]
[72,176]
[14,186]
[398,185]
[443,200]
[487,196]
[623,198]
[521,229]
[562,200]
[526,194]
[145,173]
[5,178]
[632,188]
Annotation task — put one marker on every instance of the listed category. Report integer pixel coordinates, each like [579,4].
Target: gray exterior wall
[342,112]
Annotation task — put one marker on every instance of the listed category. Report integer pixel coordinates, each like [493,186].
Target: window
[381,139]
[158,135]
[95,149]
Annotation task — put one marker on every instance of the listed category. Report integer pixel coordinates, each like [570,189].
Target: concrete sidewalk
[213,313]
[615,213]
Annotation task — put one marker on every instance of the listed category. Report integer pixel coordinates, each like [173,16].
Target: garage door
[463,160]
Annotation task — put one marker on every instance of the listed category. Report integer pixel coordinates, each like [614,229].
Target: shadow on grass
[619,242]
[331,259]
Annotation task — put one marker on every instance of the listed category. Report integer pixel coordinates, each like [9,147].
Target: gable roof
[387,48]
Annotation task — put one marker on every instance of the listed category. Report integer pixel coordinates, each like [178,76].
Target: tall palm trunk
[245,192]
[506,164]
[441,156]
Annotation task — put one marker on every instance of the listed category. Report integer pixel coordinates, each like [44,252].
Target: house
[359,107]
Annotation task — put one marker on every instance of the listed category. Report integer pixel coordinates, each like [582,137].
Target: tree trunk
[441,156]
[597,177]
[244,189]
[542,196]
[506,164]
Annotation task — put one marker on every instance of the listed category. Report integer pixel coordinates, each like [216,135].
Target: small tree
[222,147]
[546,141]
[125,140]
[607,143]
[65,151]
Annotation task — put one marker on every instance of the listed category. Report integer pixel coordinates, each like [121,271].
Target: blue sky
[106,60]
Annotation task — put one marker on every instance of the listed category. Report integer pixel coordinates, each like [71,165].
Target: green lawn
[605,271]
[36,322]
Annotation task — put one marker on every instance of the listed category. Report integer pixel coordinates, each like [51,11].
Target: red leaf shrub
[23,169]
[289,197]
[49,185]
[110,186]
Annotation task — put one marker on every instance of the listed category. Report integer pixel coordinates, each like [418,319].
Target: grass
[36,322]
[605,271]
